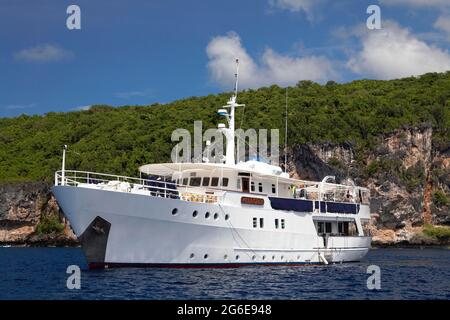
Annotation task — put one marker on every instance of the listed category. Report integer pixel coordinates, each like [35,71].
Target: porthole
[273,257]
[298,257]
[225,257]
[282,257]
[207,215]
[227,217]
[174,211]
[264,257]
[195,213]
[253,258]
[216,216]
[237,257]
[205,256]
[192,256]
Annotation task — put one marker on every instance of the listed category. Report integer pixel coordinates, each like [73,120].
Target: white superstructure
[214,214]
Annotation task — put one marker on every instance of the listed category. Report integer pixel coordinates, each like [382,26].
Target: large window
[205,181]
[327,227]
[195,182]
[214,182]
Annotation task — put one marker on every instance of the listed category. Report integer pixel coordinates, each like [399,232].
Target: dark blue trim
[301,205]
[298,205]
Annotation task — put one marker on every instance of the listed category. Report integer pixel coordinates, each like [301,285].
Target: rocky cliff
[29,215]
[409,181]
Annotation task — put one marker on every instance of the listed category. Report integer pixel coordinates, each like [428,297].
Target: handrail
[132,185]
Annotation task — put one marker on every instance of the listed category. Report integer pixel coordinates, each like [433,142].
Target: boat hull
[119,229]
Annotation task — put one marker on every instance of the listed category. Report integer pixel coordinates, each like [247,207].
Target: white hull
[143,231]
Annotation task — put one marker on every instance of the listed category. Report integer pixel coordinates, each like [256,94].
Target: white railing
[157,188]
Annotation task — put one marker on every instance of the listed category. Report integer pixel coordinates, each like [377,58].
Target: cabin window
[274,189]
[261,222]
[255,222]
[260,188]
[327,227]
[340,227]
[282,224]
[214,182]
[205,182]
[320,228]
[195,182]
[276,224]
[225,182]
[252,186]
[185,181]
[238,184]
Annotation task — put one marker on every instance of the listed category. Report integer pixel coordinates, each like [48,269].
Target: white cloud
[294,5]
[274,68]
[82,108]
[394,52]
[43,53]
[443,23]
[132,94]
[417,2]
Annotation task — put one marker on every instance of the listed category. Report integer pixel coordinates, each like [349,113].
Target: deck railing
[157,188]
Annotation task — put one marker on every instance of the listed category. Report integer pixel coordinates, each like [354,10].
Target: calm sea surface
[40,273]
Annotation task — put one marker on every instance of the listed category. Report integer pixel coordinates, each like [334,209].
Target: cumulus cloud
[273,68]
[43,53]
[443,23]
[394,52]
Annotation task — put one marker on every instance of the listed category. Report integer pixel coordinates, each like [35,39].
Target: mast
[63,166]
[230,131]
[285,133]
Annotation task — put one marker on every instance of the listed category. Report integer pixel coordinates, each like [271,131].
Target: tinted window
[225,182]
[260,188]
[205,181]
[185,181]
[214,182]
[195,182]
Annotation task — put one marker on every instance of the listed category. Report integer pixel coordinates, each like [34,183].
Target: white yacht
[213,214]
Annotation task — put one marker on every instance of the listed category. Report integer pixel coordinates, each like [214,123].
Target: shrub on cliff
[440,233]
[440,199]
[49,224]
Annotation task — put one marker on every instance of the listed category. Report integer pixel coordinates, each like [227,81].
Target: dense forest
[119,139]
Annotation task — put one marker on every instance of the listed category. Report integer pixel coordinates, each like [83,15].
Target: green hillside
[118,140]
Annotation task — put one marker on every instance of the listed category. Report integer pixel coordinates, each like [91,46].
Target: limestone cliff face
[23,207]
[403,173]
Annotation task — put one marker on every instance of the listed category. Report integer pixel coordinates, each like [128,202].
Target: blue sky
[141,52]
